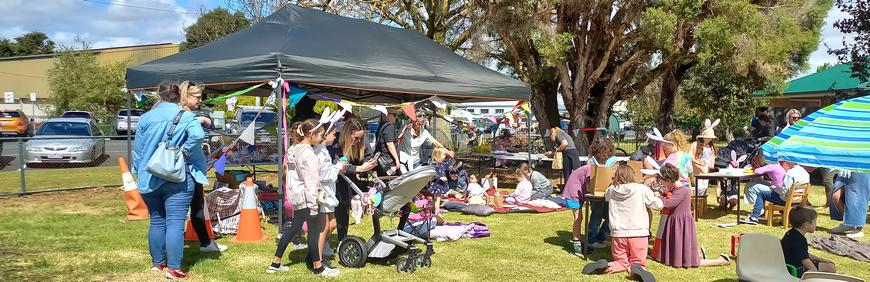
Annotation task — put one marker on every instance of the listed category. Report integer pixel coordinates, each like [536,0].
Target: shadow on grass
[5,160]
[193,256]
[563,239]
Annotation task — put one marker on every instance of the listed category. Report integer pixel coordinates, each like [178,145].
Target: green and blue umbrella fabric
[837,136]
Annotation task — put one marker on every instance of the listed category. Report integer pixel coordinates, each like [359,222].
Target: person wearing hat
[703,152]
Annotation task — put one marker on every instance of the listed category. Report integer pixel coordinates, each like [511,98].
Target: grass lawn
[82,235]
[55,178]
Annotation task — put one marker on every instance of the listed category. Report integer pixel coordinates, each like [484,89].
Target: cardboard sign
[602,177]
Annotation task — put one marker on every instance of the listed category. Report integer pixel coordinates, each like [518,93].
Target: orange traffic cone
[190,234]
[250,230]
[136,209]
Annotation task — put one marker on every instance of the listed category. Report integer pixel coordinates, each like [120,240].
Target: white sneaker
[598,245]
[329,272]
[855,233]
[272,270]
[300,246]
[214,247]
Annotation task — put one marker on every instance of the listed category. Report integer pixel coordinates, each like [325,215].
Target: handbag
[167,162]
[557,161]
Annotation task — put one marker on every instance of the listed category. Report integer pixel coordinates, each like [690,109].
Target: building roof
[98,50]
[833,79]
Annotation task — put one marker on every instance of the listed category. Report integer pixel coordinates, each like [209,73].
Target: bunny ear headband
[325,117]
[654,164]
[735,161]
[657,136]
[708,125]
[336,116]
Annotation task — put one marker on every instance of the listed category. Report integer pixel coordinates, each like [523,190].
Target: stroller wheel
[352,252]
[404,265]
[424,261]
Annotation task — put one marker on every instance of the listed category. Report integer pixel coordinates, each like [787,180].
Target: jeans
[856,195]
[168,206]
[763,196]
[752,192]
[599,225]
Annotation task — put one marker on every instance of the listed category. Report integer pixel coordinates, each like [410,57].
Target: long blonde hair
[439,155]
[679,138]
[349,149]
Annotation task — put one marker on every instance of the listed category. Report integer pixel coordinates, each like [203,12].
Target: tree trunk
[544,104]
[670,89]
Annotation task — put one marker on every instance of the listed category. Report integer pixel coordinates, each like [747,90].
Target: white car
[120,125]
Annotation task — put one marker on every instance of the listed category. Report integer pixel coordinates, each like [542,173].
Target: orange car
[15,122]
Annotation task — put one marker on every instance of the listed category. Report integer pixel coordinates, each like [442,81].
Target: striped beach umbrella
[837,136]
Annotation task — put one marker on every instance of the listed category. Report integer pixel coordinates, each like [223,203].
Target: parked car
[15,122]
[120,126]
[245,116]
[78,114]
[64,140]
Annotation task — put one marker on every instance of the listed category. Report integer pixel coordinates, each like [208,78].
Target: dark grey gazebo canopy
[339,56]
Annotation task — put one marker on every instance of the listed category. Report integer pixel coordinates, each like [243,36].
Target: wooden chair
[797,195]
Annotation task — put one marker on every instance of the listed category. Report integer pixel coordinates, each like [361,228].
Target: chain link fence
[42,164]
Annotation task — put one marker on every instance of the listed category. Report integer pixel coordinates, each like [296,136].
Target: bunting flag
[510,118]
[527,109]
[221,164]
[410,111]
[231,103]
[294,95]
[271,100]
[231,95]
[438,102]
[380,108]
[347,105]
[248,134]
[138,95]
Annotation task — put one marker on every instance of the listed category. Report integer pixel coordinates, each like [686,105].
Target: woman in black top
[354,147]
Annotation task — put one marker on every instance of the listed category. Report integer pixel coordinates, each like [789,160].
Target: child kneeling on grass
[794,244]
[629,225]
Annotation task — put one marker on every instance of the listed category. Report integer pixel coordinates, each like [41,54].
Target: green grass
[55,178]
[82,236]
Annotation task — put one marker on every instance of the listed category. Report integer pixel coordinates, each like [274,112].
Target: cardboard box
[602,177]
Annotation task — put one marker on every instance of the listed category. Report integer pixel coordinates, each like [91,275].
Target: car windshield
[134,113]
[9,115]
[76,115]
[64,128]
[247,117]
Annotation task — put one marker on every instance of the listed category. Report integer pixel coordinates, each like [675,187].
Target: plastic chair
[826,277]
[760,258]
[798,194]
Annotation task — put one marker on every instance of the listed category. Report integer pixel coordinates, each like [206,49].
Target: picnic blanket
[457,230]
[842,245]
[536,206]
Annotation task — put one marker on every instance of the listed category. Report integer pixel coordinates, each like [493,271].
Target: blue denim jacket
[153,126]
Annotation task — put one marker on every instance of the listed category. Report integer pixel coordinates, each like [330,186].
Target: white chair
[760,259]
[829,277]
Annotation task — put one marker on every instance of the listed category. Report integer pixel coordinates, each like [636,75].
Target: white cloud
[121,23]
[830,36]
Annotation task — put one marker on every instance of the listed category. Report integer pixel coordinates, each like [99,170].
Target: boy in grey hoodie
[629,225]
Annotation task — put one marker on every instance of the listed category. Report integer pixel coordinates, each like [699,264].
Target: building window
[499,111]
[484,111]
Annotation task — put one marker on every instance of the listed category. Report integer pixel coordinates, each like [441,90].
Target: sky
[112,23]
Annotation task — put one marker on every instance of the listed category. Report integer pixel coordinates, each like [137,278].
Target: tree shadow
[192,255]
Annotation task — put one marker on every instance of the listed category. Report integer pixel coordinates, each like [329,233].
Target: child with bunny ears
[703,153]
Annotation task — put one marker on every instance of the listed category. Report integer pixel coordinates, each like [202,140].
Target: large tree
[212,26]
[79,82]
[858,25]
[751,44]
[32,43]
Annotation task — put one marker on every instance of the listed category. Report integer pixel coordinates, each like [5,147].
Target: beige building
[25,77]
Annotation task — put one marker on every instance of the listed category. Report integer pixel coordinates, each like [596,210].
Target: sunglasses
[794,117]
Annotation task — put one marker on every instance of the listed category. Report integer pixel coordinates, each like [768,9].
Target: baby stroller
[353,251]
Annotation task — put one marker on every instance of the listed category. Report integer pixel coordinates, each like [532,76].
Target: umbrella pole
[281,131]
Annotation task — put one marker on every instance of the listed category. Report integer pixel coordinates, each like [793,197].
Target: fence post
[21,165]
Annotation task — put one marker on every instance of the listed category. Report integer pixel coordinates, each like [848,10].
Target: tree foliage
[858,52]
[212,26]
[79,82]
[32,43]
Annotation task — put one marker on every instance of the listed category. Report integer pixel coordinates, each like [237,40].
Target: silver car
[66,140]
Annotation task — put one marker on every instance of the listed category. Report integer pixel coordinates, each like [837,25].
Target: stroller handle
[351,184]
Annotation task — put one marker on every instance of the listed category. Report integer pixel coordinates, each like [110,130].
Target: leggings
[342,213]
[197,217]
[294,228]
